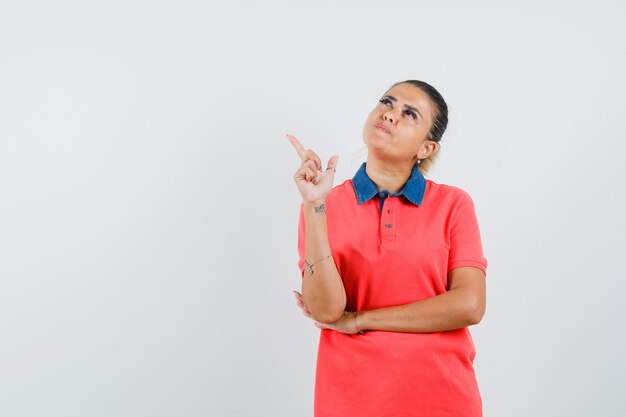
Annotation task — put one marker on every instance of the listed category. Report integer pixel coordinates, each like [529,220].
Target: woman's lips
[380,126]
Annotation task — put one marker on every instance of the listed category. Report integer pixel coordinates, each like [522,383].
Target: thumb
[332,162]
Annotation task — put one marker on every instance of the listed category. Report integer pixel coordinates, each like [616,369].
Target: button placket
[388,220]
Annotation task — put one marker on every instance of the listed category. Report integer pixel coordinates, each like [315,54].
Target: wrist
[315,204]
[357,324]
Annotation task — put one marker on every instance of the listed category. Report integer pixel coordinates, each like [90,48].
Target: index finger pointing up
[296,144]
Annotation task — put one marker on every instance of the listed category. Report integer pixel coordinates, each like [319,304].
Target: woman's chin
[380,150]
[376,144]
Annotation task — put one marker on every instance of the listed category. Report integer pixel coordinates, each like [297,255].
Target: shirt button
[388,225]
[382,195]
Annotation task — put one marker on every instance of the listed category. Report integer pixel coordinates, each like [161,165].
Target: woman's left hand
[345,324]
[300,304]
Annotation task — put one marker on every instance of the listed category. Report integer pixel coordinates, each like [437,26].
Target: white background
[148,215]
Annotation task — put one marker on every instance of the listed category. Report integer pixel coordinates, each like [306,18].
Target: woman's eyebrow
[392,98]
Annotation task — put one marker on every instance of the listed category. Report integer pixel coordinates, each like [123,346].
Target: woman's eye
[412,114]
[409,112]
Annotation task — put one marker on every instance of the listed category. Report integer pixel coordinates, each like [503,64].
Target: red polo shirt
[392,250]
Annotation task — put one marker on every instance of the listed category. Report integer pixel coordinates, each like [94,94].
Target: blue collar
[413,189]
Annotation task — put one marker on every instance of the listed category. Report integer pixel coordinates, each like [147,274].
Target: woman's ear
[429,148]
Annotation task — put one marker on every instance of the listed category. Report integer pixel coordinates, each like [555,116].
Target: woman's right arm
[323,293]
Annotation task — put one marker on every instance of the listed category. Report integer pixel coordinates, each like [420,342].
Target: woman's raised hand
[313,183]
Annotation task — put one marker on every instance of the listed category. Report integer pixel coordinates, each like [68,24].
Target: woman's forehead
[410,94]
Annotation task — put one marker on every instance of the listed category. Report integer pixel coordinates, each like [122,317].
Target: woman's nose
[390,116]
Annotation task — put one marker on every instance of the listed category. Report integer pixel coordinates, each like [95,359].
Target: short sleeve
[301,240]
[465,240]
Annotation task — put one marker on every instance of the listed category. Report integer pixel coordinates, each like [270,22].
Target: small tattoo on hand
[320,209]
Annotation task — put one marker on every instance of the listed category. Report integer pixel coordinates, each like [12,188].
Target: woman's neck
[387,177]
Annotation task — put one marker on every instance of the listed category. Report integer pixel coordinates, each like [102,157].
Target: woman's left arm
[461,306]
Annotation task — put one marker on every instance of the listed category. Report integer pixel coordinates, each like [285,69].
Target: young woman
[393,271]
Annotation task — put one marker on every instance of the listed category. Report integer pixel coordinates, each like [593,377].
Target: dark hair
[440,121]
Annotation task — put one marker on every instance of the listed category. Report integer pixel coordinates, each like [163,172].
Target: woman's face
[405,115]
